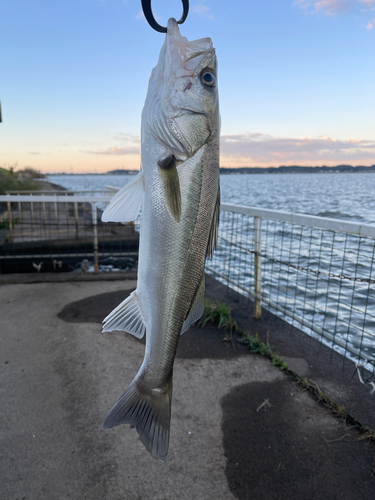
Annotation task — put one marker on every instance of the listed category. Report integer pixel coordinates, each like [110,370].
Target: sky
[296,80]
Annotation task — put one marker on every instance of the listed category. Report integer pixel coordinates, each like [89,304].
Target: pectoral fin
[126,204]
[171,186]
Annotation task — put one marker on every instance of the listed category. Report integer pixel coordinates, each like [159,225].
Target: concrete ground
[240,427]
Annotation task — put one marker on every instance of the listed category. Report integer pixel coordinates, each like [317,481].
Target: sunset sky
[296,80]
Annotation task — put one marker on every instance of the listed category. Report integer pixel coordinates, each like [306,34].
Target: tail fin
[149,411]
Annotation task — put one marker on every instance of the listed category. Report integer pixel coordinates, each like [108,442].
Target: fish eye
[208,78]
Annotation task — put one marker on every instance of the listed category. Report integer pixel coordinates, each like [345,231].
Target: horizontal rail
[338,225]
[52,191]
[68,255]
[54,198]
[113,189]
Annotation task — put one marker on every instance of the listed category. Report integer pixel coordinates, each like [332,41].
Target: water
[340,196]
[89,182]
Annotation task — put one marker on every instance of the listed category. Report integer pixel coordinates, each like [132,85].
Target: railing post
[67,215]
[32,214]
[10,237]
[95,224]
[56,213]
[76,218]
[258,267]
[19,210]
[44,215]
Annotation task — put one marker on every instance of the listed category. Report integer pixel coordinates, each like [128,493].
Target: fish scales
[190,255]
[178,187]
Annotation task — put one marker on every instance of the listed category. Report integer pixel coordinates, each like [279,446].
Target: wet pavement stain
[93,309]
[274,451]
[197,343]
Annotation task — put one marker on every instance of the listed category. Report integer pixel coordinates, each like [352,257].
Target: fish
[177,191]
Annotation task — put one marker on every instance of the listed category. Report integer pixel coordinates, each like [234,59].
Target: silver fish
[178,187]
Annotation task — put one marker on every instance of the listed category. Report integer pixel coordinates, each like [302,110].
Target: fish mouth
[184,55]
[192,111]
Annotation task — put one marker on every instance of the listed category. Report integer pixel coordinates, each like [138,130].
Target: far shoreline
[294,169]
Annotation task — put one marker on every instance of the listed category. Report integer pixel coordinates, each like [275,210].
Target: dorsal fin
[212,240]
[197,308]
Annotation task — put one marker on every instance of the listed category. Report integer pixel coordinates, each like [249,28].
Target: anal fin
[127,317]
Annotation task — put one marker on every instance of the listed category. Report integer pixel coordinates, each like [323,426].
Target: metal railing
[317,273]
[62,225]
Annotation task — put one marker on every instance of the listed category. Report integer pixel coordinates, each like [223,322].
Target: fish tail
[149,410]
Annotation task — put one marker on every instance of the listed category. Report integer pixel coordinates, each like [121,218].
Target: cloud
[263,149]
[330,7]
[130,145]
[130,138]
[202,10]
[371,25]
[140,15]
[116,151]
[335,7]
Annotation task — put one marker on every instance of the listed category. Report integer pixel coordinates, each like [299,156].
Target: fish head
[182,104]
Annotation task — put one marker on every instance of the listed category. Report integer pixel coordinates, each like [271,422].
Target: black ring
[149,15]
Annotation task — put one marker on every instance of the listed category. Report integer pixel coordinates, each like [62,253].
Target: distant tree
[10,180]
[30,173]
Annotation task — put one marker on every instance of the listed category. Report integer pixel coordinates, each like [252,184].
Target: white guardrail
[294,218]
[328,224]
[303,220]
[336,225]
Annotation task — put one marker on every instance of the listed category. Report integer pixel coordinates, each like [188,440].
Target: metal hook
[149,15]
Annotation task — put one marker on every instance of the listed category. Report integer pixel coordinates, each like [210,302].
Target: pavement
[241,428]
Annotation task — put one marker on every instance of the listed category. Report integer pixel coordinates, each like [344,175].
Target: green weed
[215,312]
[5,224]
